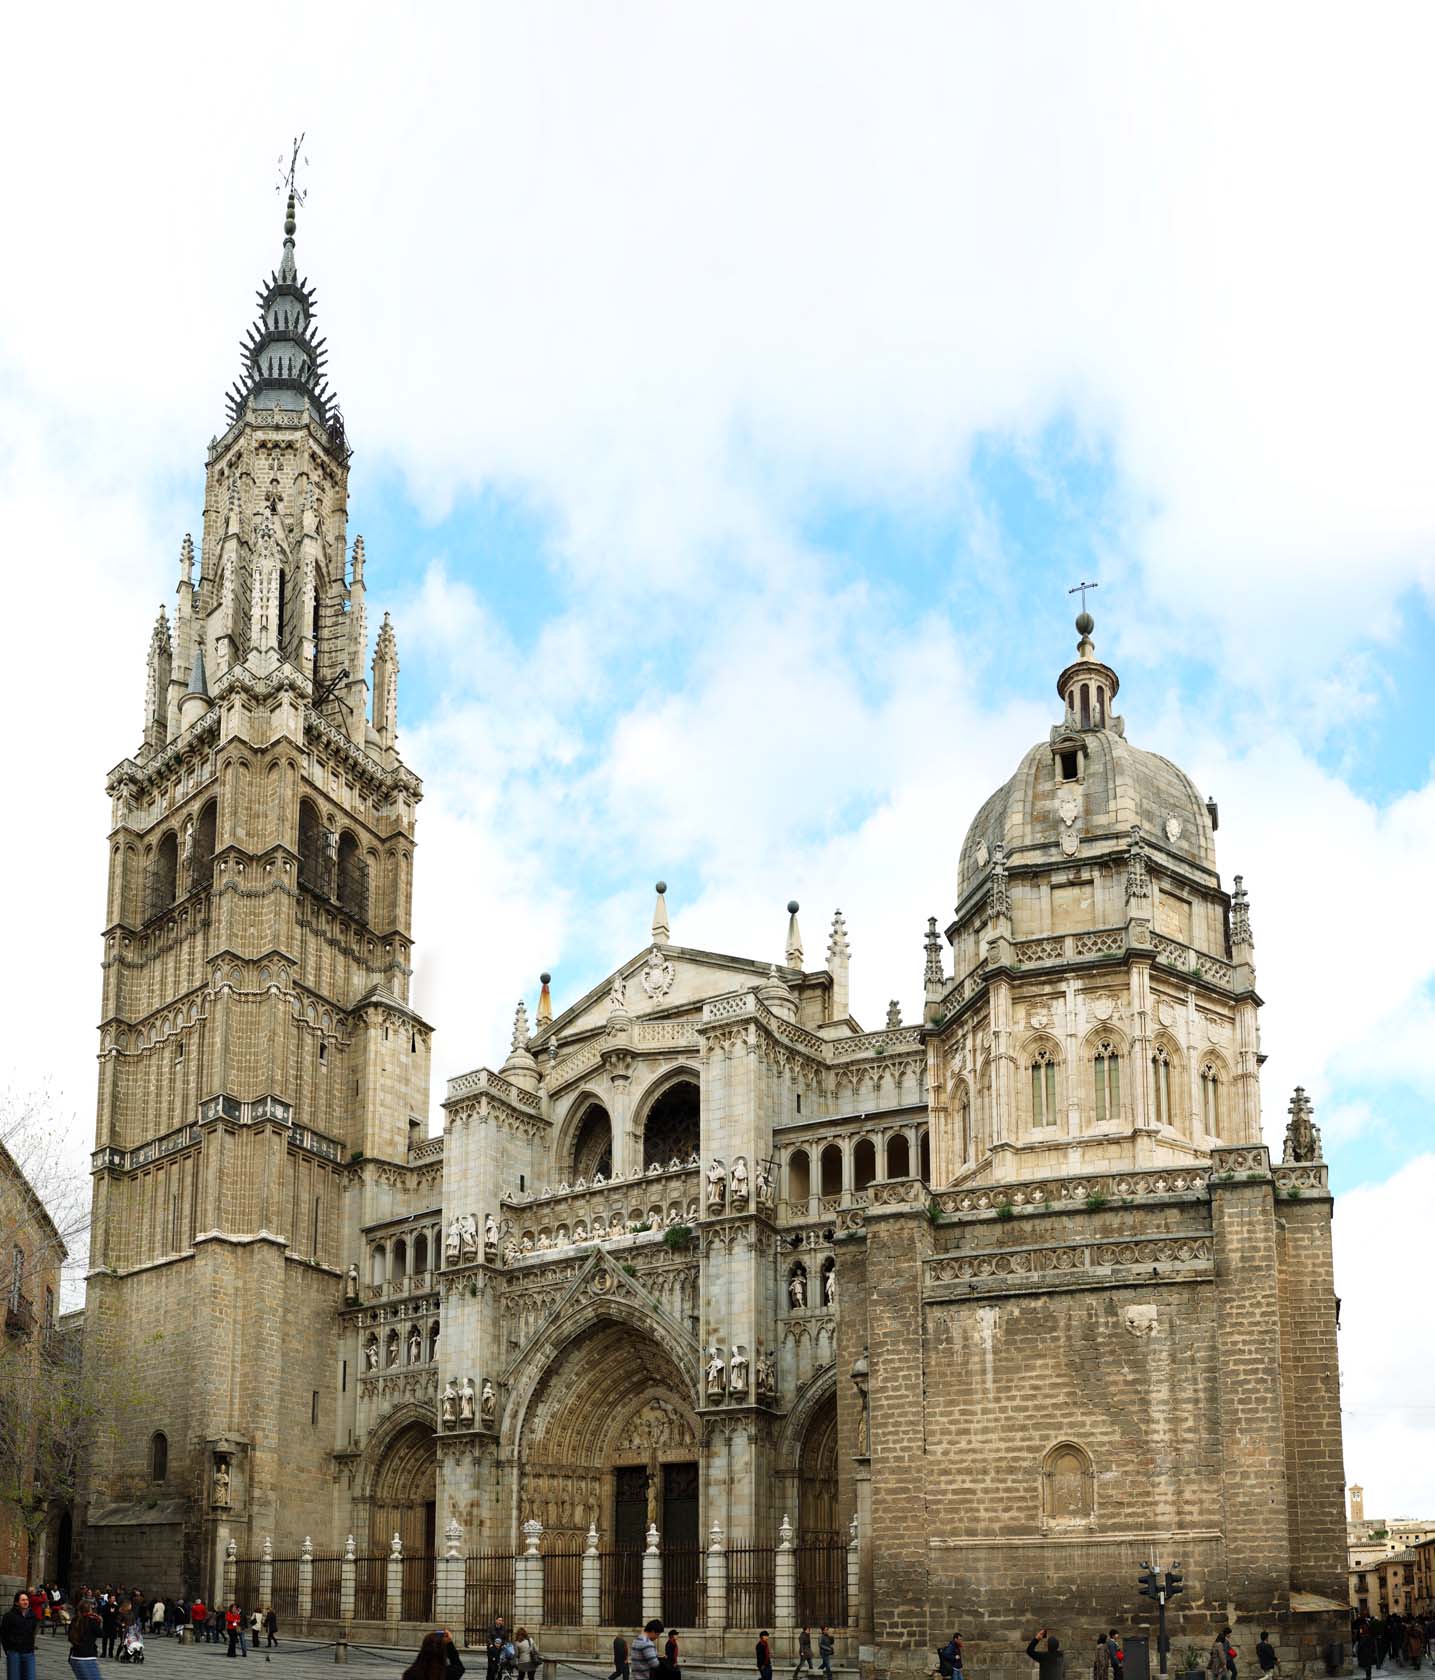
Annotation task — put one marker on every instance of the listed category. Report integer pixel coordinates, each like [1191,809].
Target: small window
[1211,1099]
[1068,766]
[799,1102]
[344,1377]
[159,1457]
[323,1051]
[1108,1083]
[1043,1089]
[314,1409]
[1161,1081]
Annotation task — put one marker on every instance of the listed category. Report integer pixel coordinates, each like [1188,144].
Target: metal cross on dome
[288,175]
[1081,589]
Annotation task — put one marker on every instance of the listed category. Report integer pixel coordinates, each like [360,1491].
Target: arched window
[1161,1085]
[201,861]
[673,1128]
[1067,1487]
[1043,1088]
[1108,1082]
[1211,1099]
[377,1265]
[353,877]
[401,1259]
[964,1123]
[164,876]
[280,627]
[830,1166]
[899,1156]
[1086,705]
[159,1456]
[593,1144]
[421,1253]
[864,1163]
[17,1274]
[313,854]
[924,1158]
[799,1177]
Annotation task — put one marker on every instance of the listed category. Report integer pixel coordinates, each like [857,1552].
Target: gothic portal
[999,1298]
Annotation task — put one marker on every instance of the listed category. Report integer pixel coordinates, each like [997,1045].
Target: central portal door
[623,1572]
[682,1549]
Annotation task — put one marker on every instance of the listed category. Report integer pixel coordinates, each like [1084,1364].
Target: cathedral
[708,1302]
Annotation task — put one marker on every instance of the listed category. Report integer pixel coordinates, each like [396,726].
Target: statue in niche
[221,1479]
[468,1236]
[488,1403]
[618,995]
[448,1406]
[453,1241]
[351,1282]
[716,1373]
[717,1183]
[465,1401]
[392,1356]
[416,1344]
[766,1373]
[764,1185]
[739,1181]
[829,1284]
[371,1354]
[490,1235]
[797,1287]
[737,1380]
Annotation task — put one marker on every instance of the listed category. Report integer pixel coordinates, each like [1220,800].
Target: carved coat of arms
[657,975]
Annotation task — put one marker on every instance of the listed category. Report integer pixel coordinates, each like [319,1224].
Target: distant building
[1374,1542]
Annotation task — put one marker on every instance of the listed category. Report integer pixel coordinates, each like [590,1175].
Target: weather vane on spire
[288,181]
[1081,589]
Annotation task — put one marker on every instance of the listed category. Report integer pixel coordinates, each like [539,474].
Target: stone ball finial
[660,886]
[793,906]
[1085,623]
[544,978]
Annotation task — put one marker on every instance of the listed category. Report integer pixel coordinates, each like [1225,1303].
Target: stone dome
[1080,793]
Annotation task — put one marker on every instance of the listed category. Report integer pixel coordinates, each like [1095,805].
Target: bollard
[341,1650]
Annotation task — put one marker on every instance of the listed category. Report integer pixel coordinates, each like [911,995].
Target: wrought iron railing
[487,1593]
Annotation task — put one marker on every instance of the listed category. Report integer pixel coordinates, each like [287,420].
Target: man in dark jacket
[1050,1663]
[620,1659]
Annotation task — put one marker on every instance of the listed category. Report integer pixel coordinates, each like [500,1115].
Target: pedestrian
[644,1655]
[763,1654]
[826,1645]
[86,1629]
[109,1625]
[432,1661]
[271,1628]
[233,1621]
[1116,1653]
[804,1651]
[949,1658]
[256,1627]
[674,1668]
[523,1652]
[1050,1663]
[620,1659]
[1367,1649]
[1414,1643]
[1266,1654]
[18,1627]
[1101,1663]
[451,1656]
[1219,1660]
[497,1639]
[198,1619]
[156,1616]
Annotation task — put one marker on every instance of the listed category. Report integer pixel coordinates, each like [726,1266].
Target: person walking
[1367,1649]
[1414,1642]
[949,1658]
[763,1653]
[620,1659]
[1101,1662]
[431,1663]
[233,1621]
[804,1651]
[198,1619]
[826,1645]
[1219,1660]
[85,1631]
[1116,1653]
[671,1653]
[523,1653]
[271,1628]
[644,1655]
[18,1627]
[1266,1654]
[256,1627]
[109,1625]
[1050,1663]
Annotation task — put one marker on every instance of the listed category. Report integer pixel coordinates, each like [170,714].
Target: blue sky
[734,401]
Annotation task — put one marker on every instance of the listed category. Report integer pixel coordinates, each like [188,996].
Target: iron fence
[750,1579]
[563,1586]
[487,1593]
[822,1580]
[620,1583]
[246,1582]
[326,1598]
[284,1590]
[371,1589]
[416,1593]
[685,1586]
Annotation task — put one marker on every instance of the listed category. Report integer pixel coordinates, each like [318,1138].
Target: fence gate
[371,1589]
[326,1599]
[750,1586]
[620,1577]
[246,1583]
[284,1591]
[487,1593]
[822,1581]
[416,1599]
[684,1586]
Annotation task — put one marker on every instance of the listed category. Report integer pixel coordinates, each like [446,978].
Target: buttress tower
[256,1038]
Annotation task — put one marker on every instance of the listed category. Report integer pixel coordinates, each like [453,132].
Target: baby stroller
[132,1644]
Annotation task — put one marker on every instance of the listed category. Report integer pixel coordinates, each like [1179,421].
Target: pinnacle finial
[545,1000]
[838,950]
[186,558]
[794,936]
[520,1026]
[660,914]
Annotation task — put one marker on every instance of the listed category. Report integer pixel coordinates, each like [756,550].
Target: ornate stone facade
[1015,1286]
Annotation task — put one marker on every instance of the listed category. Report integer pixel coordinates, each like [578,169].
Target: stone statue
[829,1285]
[797,1288]
[416,1344]
[1302,1134]
[490,1235]
[465,1401]
[717,1183]
[448,1406]
[716,1373]
[351,1282]
[618,996]
[767,1373]
[221,1481]
[488,1403]
[393,1352]
[453,1241]
[739,1181]
[468,1236]
[764,1185]
[737,1380]
[371,1354]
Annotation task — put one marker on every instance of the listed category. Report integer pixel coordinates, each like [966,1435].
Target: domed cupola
[1087,687]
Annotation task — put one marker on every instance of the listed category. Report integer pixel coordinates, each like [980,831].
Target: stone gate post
[784,1593]
[306,1581]
[854,1577]
[652,1577]
[394,1597]
[528,1578]
[348,1584]
[266,1574]
[592,1579]
[229,1569]
[449,1583]
[717,1578]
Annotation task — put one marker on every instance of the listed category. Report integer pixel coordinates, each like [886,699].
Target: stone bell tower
[256,1037]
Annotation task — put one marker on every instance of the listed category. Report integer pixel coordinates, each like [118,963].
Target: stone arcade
[957,1321]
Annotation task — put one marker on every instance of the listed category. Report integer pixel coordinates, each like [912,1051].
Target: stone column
[348,1584]
[266,1574]
[784,1596]
[592,1579]
[394,1596]
[449,1583]
[652,1577]
[854,1575]
[227,1572]
[717,1579]
[306,1581]
[528,1578]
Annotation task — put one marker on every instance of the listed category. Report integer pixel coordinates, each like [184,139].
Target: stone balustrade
[571,1216]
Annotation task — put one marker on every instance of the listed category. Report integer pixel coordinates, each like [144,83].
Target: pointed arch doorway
[404,1502]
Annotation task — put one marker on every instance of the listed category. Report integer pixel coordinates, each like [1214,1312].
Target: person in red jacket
[197,1617]
[231,1627]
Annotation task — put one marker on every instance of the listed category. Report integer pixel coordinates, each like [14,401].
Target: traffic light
[1150,1587]
[1174,1583]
